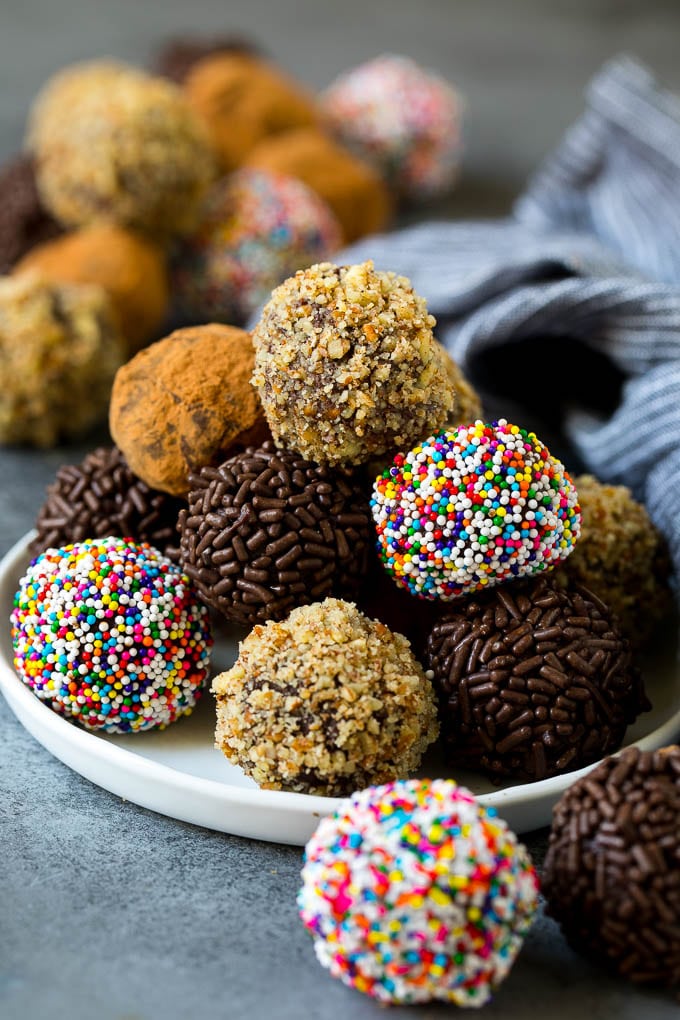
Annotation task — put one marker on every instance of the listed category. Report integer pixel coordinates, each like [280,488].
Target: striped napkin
[571,304]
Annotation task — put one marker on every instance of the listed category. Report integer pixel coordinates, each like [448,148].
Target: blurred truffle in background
[24,220]
[176,56]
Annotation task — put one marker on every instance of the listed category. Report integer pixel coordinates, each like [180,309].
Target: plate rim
[47,726]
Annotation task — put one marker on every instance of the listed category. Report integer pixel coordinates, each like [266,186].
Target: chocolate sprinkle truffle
[533,680]
[346,364]
[326,702]
[611,876]
[268,530]
[101,496]
[24,221]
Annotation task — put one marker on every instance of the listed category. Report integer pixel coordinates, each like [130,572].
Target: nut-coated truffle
[325,701]
[533,680]
[184,402]
[346,364]
[60,348]
[241,99]
[268,530]
[100,496]
[112,142]
[130,268]
[611,876]
[622,557]
[24,221]
[355,192]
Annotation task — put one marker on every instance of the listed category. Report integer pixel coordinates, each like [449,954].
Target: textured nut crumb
[347,366]
[326,701]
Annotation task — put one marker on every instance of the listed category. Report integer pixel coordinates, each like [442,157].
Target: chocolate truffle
[403,119]
[24,221]
[533,680]
[241,99]
[186,401]
[354,191]
[130,268]
[100,496]
[473,507]
[268,530]
[415,892]
[346,364]
[60,348]
[611,876]
[177,55]
[623,558]
[257,228]
[112,142]
[325,701]
[111,635]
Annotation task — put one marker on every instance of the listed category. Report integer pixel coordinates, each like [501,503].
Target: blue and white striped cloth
[588,261]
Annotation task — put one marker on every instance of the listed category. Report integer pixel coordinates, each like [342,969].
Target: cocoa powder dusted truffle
[100,496]
[533,680]
[184,402]
[60,348]
[611,876]
[346,364]
[268,530]
[326,701]
[622,557]
[112,142]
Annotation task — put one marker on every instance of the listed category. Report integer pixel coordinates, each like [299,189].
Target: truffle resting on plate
[60,348]
[325,702]
[533,680]
[184,402]
[111,635]
[101,496]
[267,530]
[346,364]
[414,892]
[611,876]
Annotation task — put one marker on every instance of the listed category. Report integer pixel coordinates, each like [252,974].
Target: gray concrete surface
[111,911]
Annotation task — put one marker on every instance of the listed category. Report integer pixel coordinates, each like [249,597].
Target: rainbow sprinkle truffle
[111,635]
[473,507]
[413,891]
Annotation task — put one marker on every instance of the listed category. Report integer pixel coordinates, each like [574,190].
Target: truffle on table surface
[256,229]
[101,496]
[325,701]
[346,364]
[534,680]
[111,635]
[242,99]
[611,876]
[60,348]
[24,221]
[414,892]
[355,192]
[268,530]
[403,119]
[112,142]
[130,268]
[184,402]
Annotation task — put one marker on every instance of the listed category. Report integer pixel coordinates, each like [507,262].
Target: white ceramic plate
[178,772]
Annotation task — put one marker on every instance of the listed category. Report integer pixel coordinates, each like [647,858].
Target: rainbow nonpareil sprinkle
[111,634]
[413,891]
[473,507]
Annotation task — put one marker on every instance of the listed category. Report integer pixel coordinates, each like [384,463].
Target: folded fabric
[573,300]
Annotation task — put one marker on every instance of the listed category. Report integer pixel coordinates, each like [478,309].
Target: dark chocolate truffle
[533,680]
[24,221]
[101,497]
[267,531]
[611,876]
[178,54]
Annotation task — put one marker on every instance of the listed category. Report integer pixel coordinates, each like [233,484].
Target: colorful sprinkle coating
[111,635]
[472,507]
[413,891]
[257,229]
[403,119]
